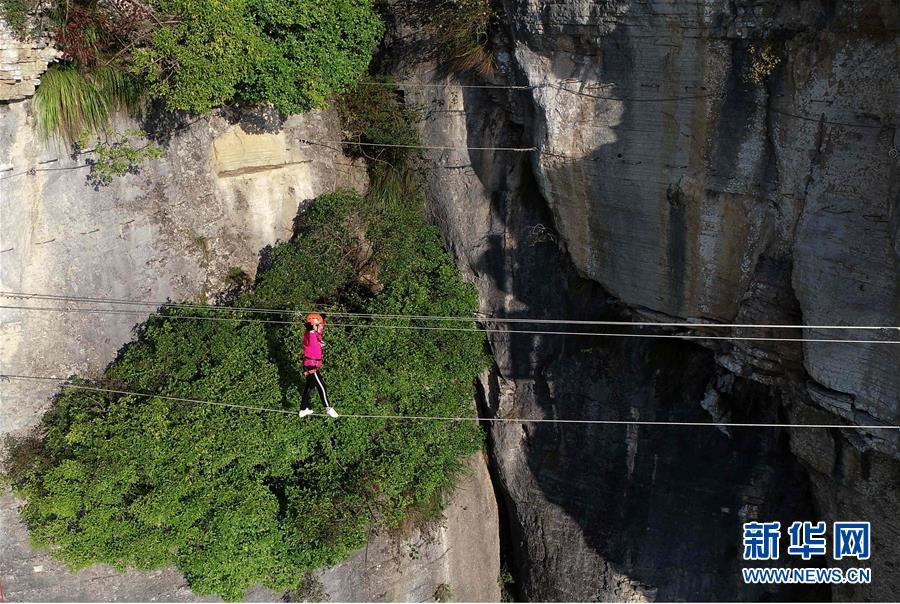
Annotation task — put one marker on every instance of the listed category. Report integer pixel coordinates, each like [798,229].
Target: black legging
[314,381]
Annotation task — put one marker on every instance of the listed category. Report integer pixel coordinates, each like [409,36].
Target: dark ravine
[747,203]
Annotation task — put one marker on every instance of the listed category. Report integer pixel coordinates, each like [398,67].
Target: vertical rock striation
[715,161]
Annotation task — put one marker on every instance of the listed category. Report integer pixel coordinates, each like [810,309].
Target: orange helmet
[315,318]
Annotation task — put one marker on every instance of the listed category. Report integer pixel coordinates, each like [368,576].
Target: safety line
[562,86]
[103,311]
[36,170]
[516,420]
[430,147]
[144,394]
[479,317]
[615,335]
[823,120]
[544,85]
[412,84]
[517,149]
[637,99]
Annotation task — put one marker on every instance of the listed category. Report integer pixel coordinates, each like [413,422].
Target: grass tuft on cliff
[69,101]
[462,27]
[235,497]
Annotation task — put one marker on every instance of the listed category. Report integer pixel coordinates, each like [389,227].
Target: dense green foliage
[374,115]
[311,50]
[197,62]
[291,53]
[197,55]
[235,497]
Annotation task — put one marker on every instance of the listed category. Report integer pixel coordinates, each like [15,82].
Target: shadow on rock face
[662,505]
[264,119]
[658,507]
[161,125]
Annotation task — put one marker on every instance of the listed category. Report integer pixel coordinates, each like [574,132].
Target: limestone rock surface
[677,176]
[21,63]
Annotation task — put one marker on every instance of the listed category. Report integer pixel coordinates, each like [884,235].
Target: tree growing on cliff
[234,496]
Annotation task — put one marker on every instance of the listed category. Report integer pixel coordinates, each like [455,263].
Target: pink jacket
[312,349]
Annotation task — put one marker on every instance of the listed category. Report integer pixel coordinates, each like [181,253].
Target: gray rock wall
[684,175]
[669,185]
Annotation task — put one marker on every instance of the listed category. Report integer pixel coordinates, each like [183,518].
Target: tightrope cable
[563,86]
[103,311]
[428,147]
[413,84]
[451,318]
[450,418]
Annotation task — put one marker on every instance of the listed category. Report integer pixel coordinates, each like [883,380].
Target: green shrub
[236,497]
[117,154]
[197,62]
[374,113]
[311,50]
[19,16]
[291,53]
[197,55]
[443,593]
[236,273]
[506,582]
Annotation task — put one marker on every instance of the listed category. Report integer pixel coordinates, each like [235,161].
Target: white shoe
[305,412]
[330,411]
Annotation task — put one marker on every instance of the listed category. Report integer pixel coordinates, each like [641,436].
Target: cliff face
[679,175]
[685,187]
[173,231]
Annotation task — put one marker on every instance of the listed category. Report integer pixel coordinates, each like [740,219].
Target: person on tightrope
[312,364]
